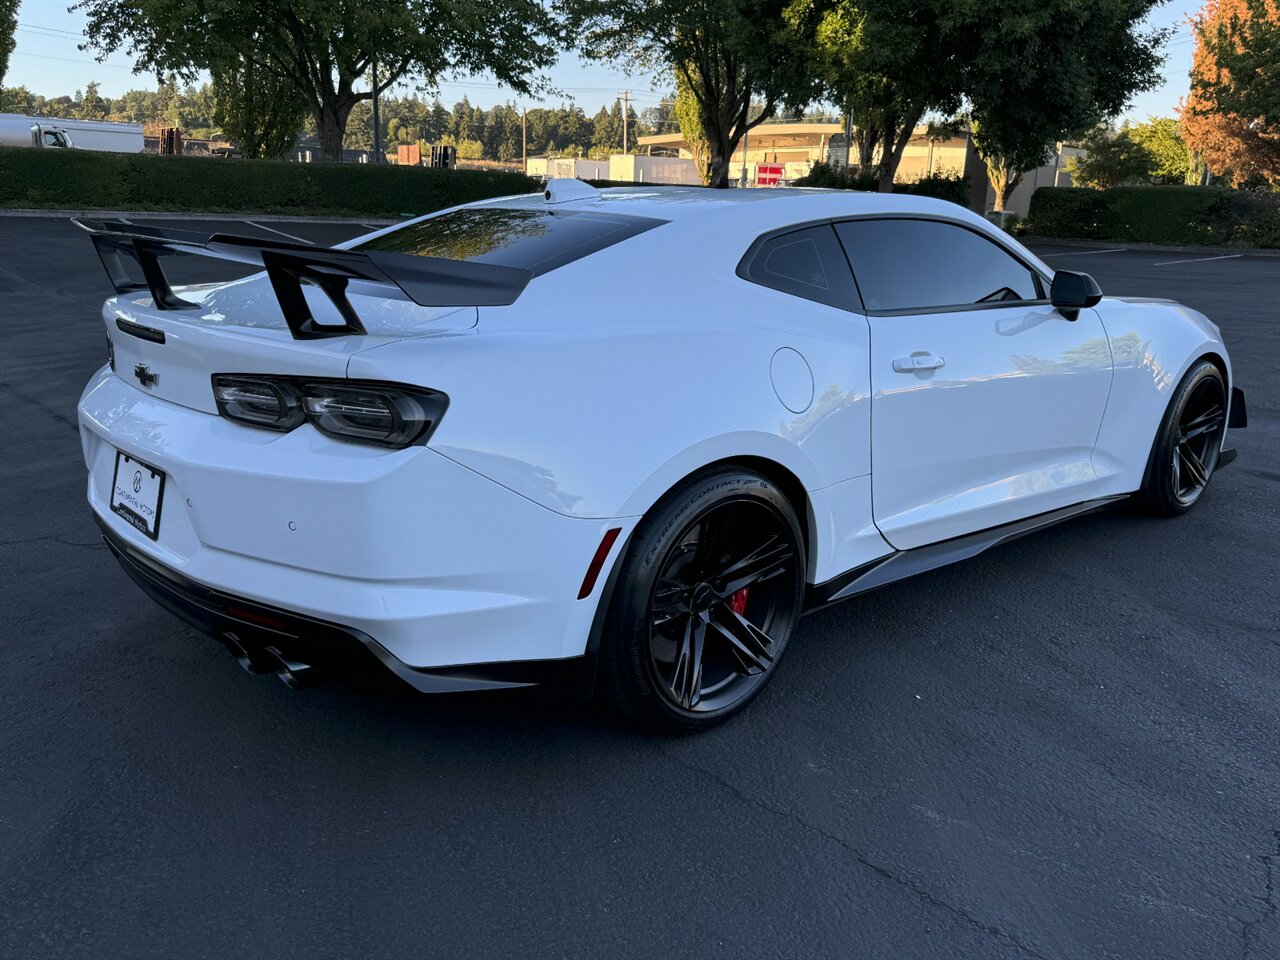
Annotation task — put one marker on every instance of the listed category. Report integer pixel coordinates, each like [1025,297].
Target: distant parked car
[624,436]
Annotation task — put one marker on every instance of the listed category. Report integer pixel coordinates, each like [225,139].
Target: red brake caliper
[738,602]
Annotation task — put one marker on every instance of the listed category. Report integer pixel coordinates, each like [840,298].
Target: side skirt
[908,563]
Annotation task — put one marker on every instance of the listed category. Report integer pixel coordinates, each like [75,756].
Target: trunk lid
[237,327]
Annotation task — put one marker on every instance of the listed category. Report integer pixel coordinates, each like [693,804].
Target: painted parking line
[374,226]
[261,226]
[1083,253]
[1169,263]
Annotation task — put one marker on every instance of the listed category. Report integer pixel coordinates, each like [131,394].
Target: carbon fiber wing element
[427,281]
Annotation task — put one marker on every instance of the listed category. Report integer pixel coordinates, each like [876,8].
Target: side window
[924,264]
[805,263]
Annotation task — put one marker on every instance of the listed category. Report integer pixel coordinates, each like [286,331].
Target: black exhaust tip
[253,661]
[294,674]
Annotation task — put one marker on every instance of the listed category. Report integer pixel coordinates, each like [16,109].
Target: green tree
[8,29]
[1161,137]
[689,117]
[727,51]
[885,63]
[258,111]
[168,102]
[91,106]
[326,47]
[1031,71]
[1112,159]
[1036,73]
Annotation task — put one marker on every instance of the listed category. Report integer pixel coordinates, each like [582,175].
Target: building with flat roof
[798,144]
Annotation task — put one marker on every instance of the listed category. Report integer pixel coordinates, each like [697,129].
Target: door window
[922,265]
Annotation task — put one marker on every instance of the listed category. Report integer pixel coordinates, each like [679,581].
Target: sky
[46,61]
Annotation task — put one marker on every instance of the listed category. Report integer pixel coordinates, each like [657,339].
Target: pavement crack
[880,870]
[42,406]
[59,537]
[1268,898]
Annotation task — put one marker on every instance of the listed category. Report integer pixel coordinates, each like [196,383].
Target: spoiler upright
[427,281]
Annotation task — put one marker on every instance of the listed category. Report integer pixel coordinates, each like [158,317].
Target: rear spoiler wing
[427,281]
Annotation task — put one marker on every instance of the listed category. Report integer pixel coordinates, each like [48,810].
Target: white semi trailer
[20,131]
[98,134]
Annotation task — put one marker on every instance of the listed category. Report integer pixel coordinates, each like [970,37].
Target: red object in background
[769,174]
[409,154]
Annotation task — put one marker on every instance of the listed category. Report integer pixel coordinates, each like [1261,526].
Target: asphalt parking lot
[1066,747]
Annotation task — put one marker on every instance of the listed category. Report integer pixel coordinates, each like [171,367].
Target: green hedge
[83,179]
[942,186]
[1172,215]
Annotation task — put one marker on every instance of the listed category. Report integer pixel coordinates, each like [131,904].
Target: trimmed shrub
[830,177]
[1070,212]
[942,186]
[84,180]
[1178,215]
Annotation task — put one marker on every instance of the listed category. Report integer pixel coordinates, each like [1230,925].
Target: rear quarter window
[806,263]
[532,239]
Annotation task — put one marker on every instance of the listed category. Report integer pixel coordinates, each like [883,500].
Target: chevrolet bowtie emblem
[145,376]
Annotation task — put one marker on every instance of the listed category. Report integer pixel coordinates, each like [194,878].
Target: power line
[83,63]
[37,26]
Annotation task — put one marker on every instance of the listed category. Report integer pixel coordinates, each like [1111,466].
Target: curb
[194,215]
[1151,247]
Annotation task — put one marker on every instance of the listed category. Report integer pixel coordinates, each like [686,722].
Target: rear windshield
[537,240]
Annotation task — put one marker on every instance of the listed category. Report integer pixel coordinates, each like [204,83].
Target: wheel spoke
[706,554]
[669,601]
[750,645]
[686,678]
[767,560]
[1207,422]
[1199,475]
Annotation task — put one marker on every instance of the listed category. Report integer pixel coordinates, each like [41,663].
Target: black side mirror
[1071,292]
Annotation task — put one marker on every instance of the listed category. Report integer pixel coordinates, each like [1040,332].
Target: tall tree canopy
[886,63]
[1036,73]
[8,27]
[1232,115]
[259,112]
[1031,71]
[729,53]
[325,47]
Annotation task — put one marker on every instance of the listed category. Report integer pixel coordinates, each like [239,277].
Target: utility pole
[626,108]
[848,139]
[524,140]
[377,123]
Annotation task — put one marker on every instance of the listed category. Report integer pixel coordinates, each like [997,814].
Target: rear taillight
[259,401]
[386,415]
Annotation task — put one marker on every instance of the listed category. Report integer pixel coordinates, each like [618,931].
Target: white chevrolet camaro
[620,438]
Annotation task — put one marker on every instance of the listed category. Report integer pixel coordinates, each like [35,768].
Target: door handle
[913,364]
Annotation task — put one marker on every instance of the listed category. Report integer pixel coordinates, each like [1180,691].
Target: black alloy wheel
[1199,439]
[1187,448]
[710,592]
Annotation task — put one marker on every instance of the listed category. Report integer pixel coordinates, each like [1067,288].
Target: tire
[1186,448]
[709,593]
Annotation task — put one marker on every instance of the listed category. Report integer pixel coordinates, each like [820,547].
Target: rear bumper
[439,567]
[253,628]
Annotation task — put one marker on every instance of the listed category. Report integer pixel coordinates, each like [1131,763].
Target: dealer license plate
[136,492]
